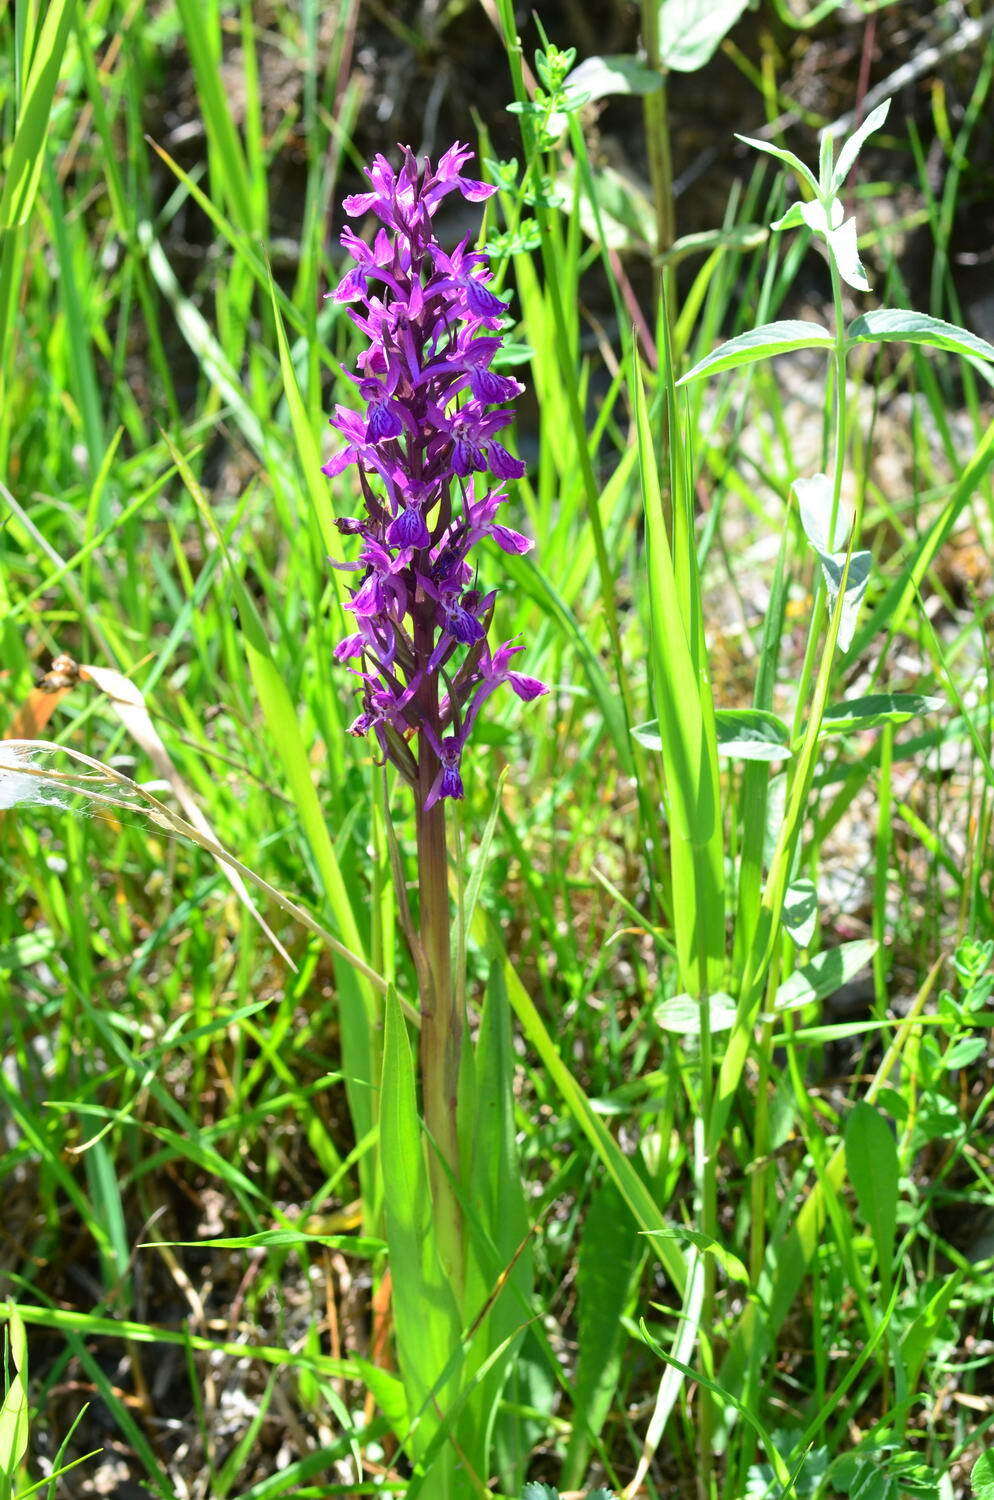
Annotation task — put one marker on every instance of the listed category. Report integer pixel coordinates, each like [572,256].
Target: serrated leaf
[800,911]
[729,1263]
[850,151]
[874,1171]
[877,710]
[751,734]
[765,342]
[682,1013]
[597,77]
[894,325]
[824,974]
[533,1490]
[690,30]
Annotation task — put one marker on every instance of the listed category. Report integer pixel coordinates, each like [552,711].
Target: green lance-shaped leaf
[14,1411]
[761,343]
[424,1308]
[894,325]
[824,974]
[876,711]
[686,720]
[788,158]
[608,1250]
[850,151]
[34,115]
[871,1159]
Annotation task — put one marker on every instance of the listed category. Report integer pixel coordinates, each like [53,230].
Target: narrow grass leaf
[605,1266]
[27,155]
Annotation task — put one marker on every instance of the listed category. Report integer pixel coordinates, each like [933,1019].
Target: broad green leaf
[690,30]
[857,578]
[729,1263]
[800,911]
[876,710]
[751,734]
[787,157]
[871,1159]
[843,246]
[894,325]
[761,343]
[605,1264]
[682,1013]
[824,974]
[982,1477]
[743,733]
[648,735]
[850,151]
[597,77]
[815,498]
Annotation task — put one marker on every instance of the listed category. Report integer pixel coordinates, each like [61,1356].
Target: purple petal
[383,422]
[502,464]
[526,688]
[482,302]
[510,541]
[409,530]
[352,286]
[490,387]
[461,624]
[358,203]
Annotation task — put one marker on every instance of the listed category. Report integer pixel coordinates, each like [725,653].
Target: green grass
[192,1173]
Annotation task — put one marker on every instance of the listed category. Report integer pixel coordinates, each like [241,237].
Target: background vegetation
[167,365]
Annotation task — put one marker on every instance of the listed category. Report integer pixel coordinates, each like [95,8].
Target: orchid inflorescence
[433,407]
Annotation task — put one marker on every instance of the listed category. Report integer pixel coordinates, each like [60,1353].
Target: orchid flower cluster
[423,450]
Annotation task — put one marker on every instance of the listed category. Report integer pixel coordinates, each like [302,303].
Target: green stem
[441,1016]
[708,1179]
[820,609]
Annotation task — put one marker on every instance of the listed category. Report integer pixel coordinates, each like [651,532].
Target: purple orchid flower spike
[423,447]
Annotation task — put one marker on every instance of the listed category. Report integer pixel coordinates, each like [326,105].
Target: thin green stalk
[441,1017]
[820,609]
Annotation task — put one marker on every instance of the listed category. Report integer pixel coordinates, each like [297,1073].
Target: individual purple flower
[423,447]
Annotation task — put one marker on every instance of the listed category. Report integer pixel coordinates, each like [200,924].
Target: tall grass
[727,914]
